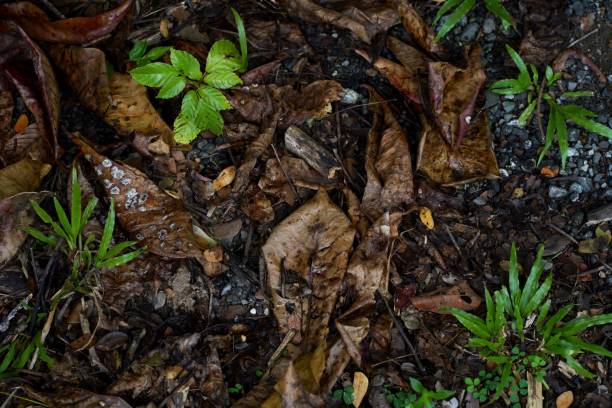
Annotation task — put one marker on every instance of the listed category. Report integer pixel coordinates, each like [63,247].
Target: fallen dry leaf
[145,211]
[264,34]
[399,76]
[419,30]
[21,123]
[601,242]
[364,18]
[6,115]
[71,396]
[225,178]
[25,65]
[453,92]
[15,213]
[388,166]
[311,102]
[29,144]
[77,30]
[426,218]
[565,399]
[460,296]
[308,253]
[257,206]
[473,159]
[23,176]
[549,172]
[360,386]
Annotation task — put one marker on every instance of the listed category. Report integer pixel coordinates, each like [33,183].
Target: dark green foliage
[460,8]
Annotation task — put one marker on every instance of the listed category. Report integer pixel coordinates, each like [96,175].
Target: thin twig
[279,350]
[584,37]
[565,234]
[400,329]
[450,234]
[539,109]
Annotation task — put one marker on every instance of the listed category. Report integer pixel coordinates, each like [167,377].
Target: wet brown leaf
[77,397]
[388,166]
[473,159]
[460,296]
[6,115]
[264,35]
[306,258]
[15,213]
[146,212]
[29,144]
[311,102]
[399,76]
[294,393]
[85,72]
[23,176]
[419,30]
[364,18]
[453,93]
[25,65]
[77,30]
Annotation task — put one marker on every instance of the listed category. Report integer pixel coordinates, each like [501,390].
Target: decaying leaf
[473,159]
[27,144]
[15,213]
[145,211]
[460,296]
[399,76]
[306,258]
[6,115]
[360,386]
[25,65]
[311,102]
[419,30]
[86,74]
[364,18]
[388,165]
[426,218]
[601,242]
[78,30]
[453,92]
[23,176]
[224,178]
[264,34]
[76,397]
[257,206]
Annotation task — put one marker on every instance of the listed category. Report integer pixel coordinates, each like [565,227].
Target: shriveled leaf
[23,176]
[15,215]
[31,74]
[473,159]
[317,236]
[460,296]
[360,385]
[400,77]
[418,29]
[77,30]
[388,166]
[148,214]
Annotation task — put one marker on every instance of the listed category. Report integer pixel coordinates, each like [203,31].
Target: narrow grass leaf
[526,114]
[496,8]
[532,280]
[542,315]
[242,40]
[446,7]
[580,324]
[454,18]
[91,205]
[576,94]
[513,276]
[539,296]
[490,319]
[554,319]
[49,240]
[122,259]
[580,344]
[473,323]
[550,133]
[63,218]
[518,61]
[107,234]
[75,203]
[42,214]
[561,129]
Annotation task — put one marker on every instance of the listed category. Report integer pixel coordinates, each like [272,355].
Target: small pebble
[557,192]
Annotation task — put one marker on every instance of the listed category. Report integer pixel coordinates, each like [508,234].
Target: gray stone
[489,25]
[574,197]
[491,99]
[573,134]
[557,192]
[469,33]
[571,86]
[572,152]
[596,157]
[576,188]
[586,183]
[508,106]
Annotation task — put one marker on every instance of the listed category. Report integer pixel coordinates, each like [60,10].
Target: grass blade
[513,276]
[120,247]
[579,344]
[242,39]
[490,319]
[75,204]
[532,280]
[474,324]
[446,7]
[42,214]
[496,8]
[576,94]
[550,132]
[122,259]
[49,240]
[561,136]
[557,317]
[542,315]
[91,205]
[107,234]
[538,296]
[454,18]
[522,120]
[580,324]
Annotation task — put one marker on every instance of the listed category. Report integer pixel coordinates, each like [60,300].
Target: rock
[572,152]
[508,106]
[470,31]
[491,99]
[350,96]
[576,188]
[571,86]
[489,25]
[565,399]
[557,192]
[586,184]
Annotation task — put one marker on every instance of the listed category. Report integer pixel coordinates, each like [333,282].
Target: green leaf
[518,61]
[549,74]
[550,132]
[214,98]
[154,74]
[580,344]
[24,356]
[576,94]
[580,370]
[8,357]
[337,395]
[171,87]
[532,280]
[91,205]
[138,50]
[454,18]
[522,120]
[500,318]
[121,259]
[416,385]
[542,315]
[513,277]
[534,73]
[155,53]
[120,247]
[490,318]
[37,234]
[223,56]
[495,7]
[107,234]
[446,7]
[242,39]
[222,79]
[505,297]
[186,63]
[42,214]
[554,319]
[580,116]
[195,116]
[580,324]
[63,219]
[519,321]
[75,204]
[561,131]
[538,296]
[503,382]
[471,322]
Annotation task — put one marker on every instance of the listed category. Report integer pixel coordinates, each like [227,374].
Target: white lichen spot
[107,184]
[130,198]
[162,234]
[126,181]
[107,163]
[115,190]
[140,236]
[99,169]
[116,172]
[468,119]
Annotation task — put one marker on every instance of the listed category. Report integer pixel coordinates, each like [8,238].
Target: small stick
[399,328]
[450,234]
[560,231]
[584,37]
[279,350]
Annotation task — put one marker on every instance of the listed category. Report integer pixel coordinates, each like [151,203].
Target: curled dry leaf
[453,93]
[308,253]
[473,159]
[23,176]
[145,211]
[460,296]
[76,397]
[25,65]
[264,35]
[419,30]
[399,76]
[360,385]
[388,165]
[257,206]
[224,178]
[86,74]
[15,213]
[78,30]
[29,144]
[311,102]
[364,18]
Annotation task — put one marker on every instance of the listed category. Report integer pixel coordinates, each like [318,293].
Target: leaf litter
[315,246]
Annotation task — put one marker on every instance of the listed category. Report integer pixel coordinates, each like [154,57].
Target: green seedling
[421,397]
[346,395]
[236,389]
[460,8]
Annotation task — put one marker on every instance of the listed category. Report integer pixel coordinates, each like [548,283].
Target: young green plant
[528,81]
[460,8]
[203,101]
[518,334]
[420,398]
[346,395]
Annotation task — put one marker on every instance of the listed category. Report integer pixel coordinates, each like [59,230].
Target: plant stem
[539,109]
